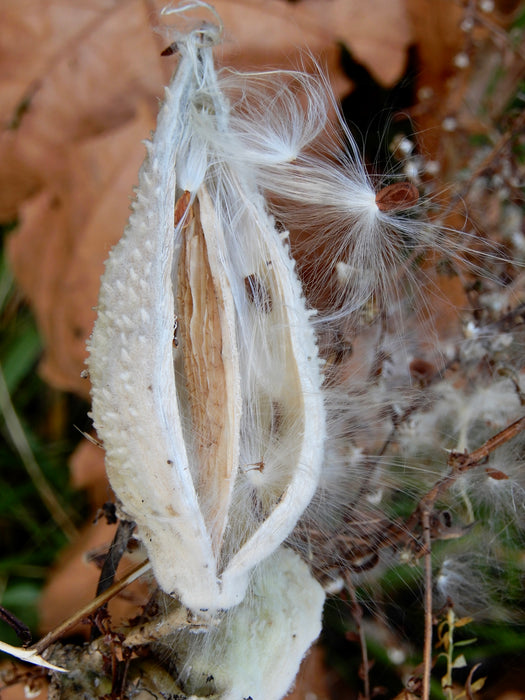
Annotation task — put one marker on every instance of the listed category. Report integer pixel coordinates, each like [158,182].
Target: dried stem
[90,608]
[357,614]
[427,645]
[464,462]
[460,462]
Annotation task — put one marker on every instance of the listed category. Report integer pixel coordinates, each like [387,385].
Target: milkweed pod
[181,422]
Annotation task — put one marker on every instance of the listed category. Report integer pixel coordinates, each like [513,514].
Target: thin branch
[460,462]
[109,568]
[20,628]
[465,462]
[357,614]
[116,552]
[90,608]
[427,645]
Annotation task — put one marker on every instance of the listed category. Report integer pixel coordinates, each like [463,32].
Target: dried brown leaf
[65,234]
[267,32]
[70,73]
[73,583]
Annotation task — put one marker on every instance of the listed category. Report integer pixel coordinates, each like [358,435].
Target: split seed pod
[183,423]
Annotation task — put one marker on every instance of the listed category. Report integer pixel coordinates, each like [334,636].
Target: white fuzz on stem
[256,649]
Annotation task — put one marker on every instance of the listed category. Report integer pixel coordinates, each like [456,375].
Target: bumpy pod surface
[206,382]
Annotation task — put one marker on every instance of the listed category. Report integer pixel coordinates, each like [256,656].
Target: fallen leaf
[70,72]
[73,583]
[89,473]
[316,681]
[65,235]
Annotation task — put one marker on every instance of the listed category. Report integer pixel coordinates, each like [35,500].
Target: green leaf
[465,642]
[21,354]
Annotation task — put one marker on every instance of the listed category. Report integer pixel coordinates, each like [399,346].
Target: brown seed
[496,474]
[258,293]
[181,207]
[255,466]
[175,332]
[397,197]
[170,50]
[422,371]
